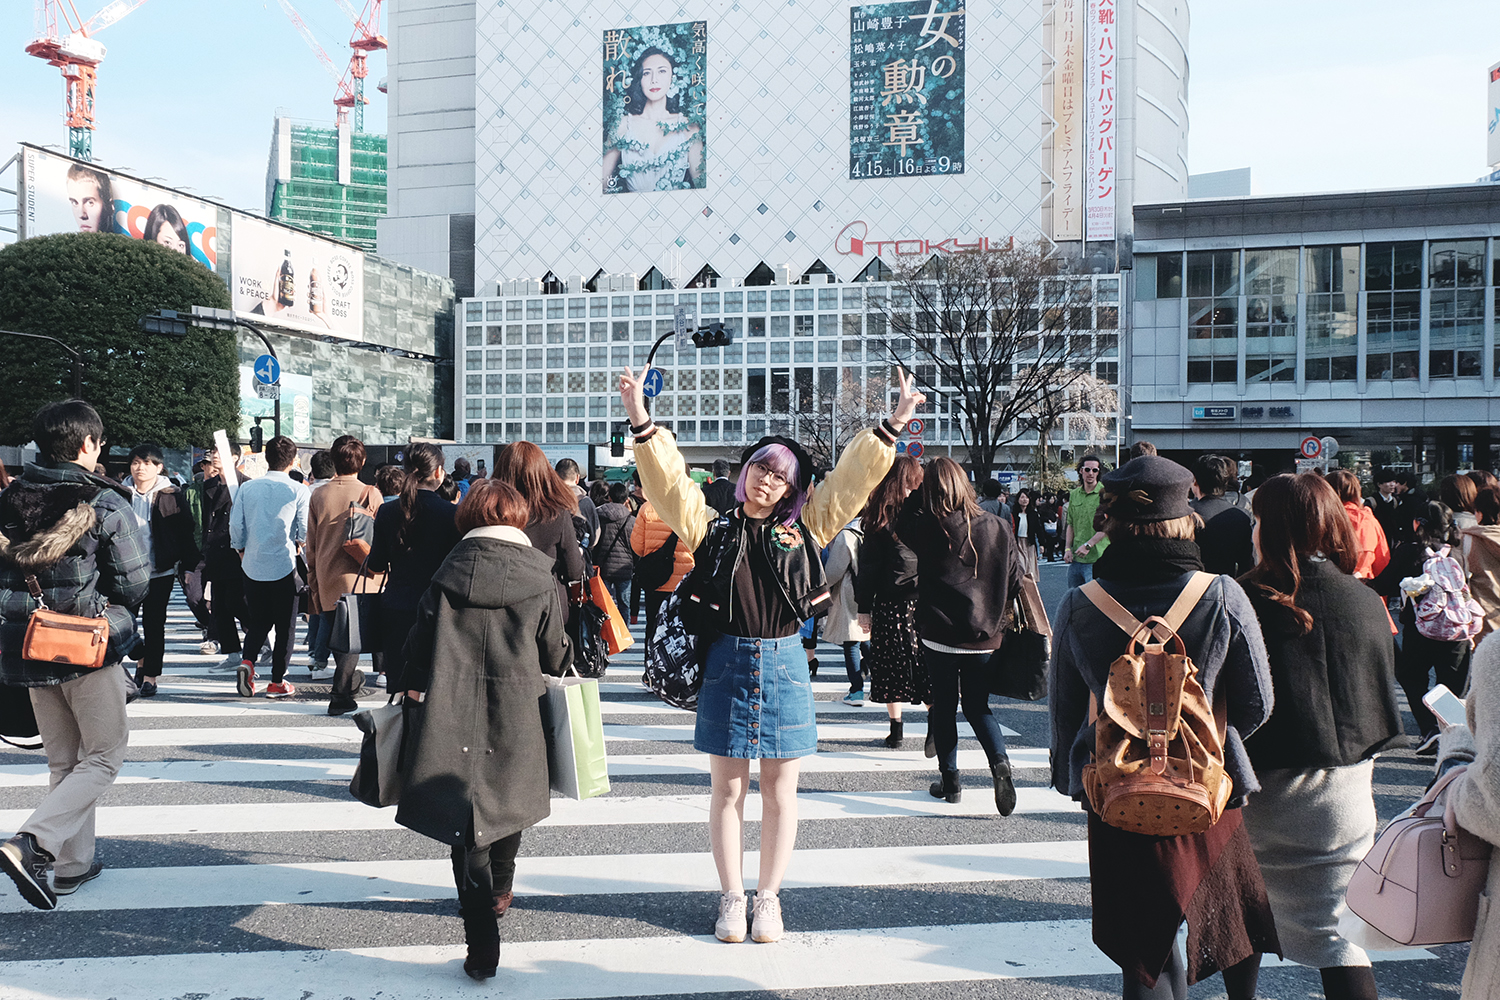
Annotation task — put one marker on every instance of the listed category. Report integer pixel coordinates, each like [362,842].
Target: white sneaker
[378,681]
[730,926]
[208,647]
[230,662]
[767,926]
[315,668]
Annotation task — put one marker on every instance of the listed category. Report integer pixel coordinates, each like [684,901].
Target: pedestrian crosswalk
[239,867]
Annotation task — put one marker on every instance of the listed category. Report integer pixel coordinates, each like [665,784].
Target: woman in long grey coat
[476,757]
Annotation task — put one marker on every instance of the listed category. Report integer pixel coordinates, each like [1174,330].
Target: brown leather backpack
[1158,766]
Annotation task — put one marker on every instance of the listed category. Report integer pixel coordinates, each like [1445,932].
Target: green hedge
[88,290]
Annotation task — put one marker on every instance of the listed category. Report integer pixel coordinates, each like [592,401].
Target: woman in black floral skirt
[886,592]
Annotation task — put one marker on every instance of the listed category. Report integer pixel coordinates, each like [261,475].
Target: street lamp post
[77,358]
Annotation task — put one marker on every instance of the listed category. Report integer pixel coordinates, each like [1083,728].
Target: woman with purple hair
[757,577]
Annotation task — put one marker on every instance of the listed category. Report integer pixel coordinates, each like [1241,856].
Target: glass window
[473,385]
[853,350]
[473,408]
[687,430]
[1213,282]
[598,430]
[473,432]
[619,305]
[473,360]
[598,333]
[514,335]
[1456,332]
[781,326]
[641,353]
[598,381]
[802,351]
[828,298]
[853,298]
[708,304]
[708,430]
[734,302]
[598,357]
[577,308]
[534,382]
[803,326]
[533,308]
[554,432]
[492,310]
[554,333]
[732,354]
[643,305]
[828,350]
[781,300]
[575,382]
[619,330]
[512,408]
[576,432]
[598,406]
[1393,266]
[803,298]
[665,305]
[577,333]
[512,384]
[781,390]
[533,333]
[554,358]
[513,311]
[473,311]
[534,407]
[598,306]
[781,350]
[1271,315]
[555,308]
[474,336]
[755,353]
[687,406]
[494,384]
[554,407]
[755,302]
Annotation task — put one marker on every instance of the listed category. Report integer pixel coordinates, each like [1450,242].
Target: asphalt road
[239,867]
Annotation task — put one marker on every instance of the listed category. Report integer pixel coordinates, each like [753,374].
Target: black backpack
[654,569]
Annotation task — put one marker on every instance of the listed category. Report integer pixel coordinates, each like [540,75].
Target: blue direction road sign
[267,370]
[914,449]
[900,447]
[651,385]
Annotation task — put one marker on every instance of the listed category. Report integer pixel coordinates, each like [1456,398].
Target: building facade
[545,368]
[1368,317]
[327,180]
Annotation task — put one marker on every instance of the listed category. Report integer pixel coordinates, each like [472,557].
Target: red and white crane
[350,95]
[63,38]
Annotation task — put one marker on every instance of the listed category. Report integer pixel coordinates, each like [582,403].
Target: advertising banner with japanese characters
[1101,75]
[1067,110]
[906,89]
[655,107]
[291,278]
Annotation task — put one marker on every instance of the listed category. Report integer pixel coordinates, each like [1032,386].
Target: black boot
[948,788]
[1349,982]
[1005,788]
[482,935]
[898,735]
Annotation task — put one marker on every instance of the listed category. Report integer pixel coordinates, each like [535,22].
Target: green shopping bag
[576,763]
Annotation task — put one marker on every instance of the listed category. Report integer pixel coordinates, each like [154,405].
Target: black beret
[804,461]
[1149,488]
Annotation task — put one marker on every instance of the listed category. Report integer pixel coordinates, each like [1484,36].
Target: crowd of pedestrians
[1298,607]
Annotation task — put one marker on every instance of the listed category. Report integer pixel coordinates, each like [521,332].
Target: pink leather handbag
[1420,883]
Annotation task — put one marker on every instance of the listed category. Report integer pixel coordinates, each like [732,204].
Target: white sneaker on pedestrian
[377,681]
[230,662]
[317,667]
[766,925]
[208,647]
[730,927]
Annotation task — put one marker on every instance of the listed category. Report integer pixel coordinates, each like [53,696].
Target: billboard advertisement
[294,279]
[655,107]
[296,406]
[906,89]
[1102,73]
[1493,148]
[63,195]
[1067,111]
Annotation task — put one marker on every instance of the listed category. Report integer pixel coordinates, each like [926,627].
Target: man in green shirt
[1084,544]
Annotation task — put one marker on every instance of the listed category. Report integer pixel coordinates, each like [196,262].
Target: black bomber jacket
[708,595]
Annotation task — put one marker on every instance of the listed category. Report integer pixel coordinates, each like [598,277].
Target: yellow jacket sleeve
[672,492]
[839,498]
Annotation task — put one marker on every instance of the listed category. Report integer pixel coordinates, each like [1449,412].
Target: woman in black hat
[1145,887]
[757,577]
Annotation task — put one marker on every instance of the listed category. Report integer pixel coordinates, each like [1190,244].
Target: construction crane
[366,39]
[350,94]
[78,54]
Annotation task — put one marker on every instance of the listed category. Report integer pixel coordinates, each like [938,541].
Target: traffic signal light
[257,440]
[617,441]
[712,335]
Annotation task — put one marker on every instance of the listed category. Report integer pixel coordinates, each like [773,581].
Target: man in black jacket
[718,492]
[71,537]
[221,566]
[1387,505]
[1224,538]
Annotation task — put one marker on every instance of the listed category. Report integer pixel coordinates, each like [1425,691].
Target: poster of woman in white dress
[655,95]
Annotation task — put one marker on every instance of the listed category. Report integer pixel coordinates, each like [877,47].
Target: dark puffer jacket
[89,552]
[612,553]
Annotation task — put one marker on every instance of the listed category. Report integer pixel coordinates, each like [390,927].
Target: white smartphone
[1447,706]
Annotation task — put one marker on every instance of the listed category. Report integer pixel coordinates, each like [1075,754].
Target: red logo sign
[854,238]
[1311,447]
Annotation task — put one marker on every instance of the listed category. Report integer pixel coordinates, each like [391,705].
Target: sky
[1312,95]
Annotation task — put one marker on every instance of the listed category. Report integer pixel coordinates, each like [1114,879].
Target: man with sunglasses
[1085,544]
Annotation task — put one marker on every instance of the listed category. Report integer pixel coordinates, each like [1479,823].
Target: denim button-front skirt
[757,700]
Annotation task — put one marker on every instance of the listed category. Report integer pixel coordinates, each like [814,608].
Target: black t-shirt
[761,610]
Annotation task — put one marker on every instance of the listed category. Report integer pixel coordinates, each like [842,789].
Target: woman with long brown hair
[553,506]
[1374,552]
[1460,492]
[967,570]
[885,591]
[1333,675]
